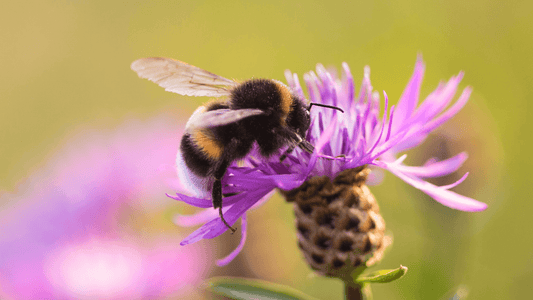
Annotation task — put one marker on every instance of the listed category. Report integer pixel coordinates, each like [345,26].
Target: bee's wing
[213,118]
[182,78]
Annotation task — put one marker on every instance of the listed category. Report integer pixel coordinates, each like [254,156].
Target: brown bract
[338,222]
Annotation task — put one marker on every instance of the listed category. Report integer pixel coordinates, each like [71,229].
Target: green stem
[352,291]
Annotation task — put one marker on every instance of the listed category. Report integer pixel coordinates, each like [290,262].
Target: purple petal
[400,160]
[288,182]
[443,196]
[247,180]
[198,202]
[391,120]
[322,141]
[450,186]
[366,87]
[457,106]
[298,87]
[289,78]
[437,100]
[294,83]
[226,260]
[409,99]
[312,89]
[345,146]
[382,125]
[348,84]
[409,142]
[216,227]
[235,211]
[388,145]
[199,233]
[435,169]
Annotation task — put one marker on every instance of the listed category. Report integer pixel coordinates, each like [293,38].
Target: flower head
[360,136]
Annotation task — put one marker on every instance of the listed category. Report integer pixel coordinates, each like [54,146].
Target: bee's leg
[303,144]
[217,201]
[298,140]
[217,191]
[306,146]
[289,150]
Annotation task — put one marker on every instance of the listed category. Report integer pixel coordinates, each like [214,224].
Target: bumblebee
[262,111]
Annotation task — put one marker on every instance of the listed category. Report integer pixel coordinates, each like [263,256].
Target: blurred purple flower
[61,233]
[358,137]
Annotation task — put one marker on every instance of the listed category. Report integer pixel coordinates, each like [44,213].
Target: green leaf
[381,276]
[242,288]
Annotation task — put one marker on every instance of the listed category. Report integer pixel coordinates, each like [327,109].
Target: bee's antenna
[324,105]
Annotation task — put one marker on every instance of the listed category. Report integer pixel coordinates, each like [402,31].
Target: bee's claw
[224,221]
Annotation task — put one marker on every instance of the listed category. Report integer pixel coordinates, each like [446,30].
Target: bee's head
[299,118]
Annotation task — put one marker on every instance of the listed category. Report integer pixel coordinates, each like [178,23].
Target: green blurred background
[65,64]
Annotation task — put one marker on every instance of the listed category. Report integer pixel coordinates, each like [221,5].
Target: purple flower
[62,235]
[360,136]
